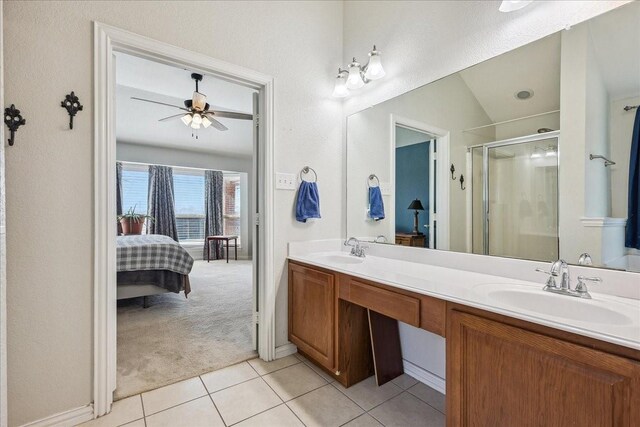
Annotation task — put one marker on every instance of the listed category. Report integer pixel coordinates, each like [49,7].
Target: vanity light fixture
[513,5]
[356,75]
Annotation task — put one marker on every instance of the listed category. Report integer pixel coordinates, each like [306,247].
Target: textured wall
[49,52]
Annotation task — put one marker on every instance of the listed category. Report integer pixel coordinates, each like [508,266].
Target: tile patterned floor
[286,392]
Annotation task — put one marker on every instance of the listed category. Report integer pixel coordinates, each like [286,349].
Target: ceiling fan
[196,112]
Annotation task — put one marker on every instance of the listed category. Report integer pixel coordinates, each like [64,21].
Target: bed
[151,264]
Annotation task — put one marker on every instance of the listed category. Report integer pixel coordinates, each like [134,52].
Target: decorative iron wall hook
[72,104]
[462,187]
[13,120]
[452,169]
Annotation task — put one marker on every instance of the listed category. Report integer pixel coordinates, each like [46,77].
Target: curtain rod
[630,107]
[512,120]
[177,167]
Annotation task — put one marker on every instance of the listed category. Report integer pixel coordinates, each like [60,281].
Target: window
[231,205]
[188,186]
[188,190]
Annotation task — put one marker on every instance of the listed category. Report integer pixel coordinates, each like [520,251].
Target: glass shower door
[521,199]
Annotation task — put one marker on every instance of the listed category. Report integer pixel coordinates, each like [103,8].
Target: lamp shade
[416,205]
[512,5]
[354,81]
[340,90]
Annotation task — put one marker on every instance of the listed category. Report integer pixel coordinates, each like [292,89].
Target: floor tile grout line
[422,400]
[258,413]
[356,403]
[176,405]
[294,412]
[144,415]
[381,403]
[276,370]
[214,403]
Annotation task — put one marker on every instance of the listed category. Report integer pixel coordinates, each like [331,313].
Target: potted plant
[133,222]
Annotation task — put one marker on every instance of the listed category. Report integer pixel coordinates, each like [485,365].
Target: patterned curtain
[119,193]
[162,202]
[213,187]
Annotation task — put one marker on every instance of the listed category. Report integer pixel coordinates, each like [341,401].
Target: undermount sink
[341,259]
[539,301]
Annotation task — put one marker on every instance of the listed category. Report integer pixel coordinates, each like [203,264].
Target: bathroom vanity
[506,365]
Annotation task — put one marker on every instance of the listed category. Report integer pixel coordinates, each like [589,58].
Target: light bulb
[512,5]
[551,152]
[340,89]
[186,119]
[197,121]
[374,69]
[536,154]
[354,81]
[206,122]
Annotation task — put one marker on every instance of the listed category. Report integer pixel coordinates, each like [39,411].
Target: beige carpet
[177,338]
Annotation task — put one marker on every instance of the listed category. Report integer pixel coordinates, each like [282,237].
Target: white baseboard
[65,419]
[424,376]
[286,350]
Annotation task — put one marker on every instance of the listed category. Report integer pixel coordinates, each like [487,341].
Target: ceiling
[137,121]
[535,67]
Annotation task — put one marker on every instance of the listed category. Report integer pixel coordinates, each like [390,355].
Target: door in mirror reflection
[519,193]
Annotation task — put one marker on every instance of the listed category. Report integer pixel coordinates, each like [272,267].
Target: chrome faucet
[585,259]
[357,247]
[561,269]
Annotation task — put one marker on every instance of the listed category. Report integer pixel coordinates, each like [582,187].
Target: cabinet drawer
[392,304]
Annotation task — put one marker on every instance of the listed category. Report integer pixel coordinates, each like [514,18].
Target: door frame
[107,40]
[441,197]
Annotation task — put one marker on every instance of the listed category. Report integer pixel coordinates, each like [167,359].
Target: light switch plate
[285,181]
[385,188]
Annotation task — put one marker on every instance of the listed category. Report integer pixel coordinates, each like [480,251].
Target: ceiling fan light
[374,69]
[199,101]
[206,122]
[195,125]
[354,81]
[197,119]
[186,119]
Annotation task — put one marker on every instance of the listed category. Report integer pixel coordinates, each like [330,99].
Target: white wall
[620,131]
[424,41]
[142,153]
[50,169]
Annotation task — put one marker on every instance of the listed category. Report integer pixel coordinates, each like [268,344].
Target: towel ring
[305,170]
[371,178]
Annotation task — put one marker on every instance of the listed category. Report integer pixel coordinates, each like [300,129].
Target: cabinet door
[311,313]
[500,375]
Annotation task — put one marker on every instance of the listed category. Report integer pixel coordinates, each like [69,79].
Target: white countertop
[471,289]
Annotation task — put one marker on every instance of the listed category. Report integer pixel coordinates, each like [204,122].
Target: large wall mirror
[526,155]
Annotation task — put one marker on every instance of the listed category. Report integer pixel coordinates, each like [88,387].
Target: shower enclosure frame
[485,180]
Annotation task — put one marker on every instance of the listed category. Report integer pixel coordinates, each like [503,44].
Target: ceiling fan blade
[216,124]
[160,103]
[231,115]
[171,117]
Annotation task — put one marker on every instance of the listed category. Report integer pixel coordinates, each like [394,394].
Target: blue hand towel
[308,203]
[376,206]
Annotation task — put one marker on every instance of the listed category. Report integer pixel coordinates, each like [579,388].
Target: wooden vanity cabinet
[502,374]
[312,313]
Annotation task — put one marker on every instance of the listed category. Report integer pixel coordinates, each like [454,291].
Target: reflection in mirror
[541,137]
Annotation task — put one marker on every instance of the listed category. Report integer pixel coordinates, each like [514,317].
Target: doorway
[424,149]
[108,41]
